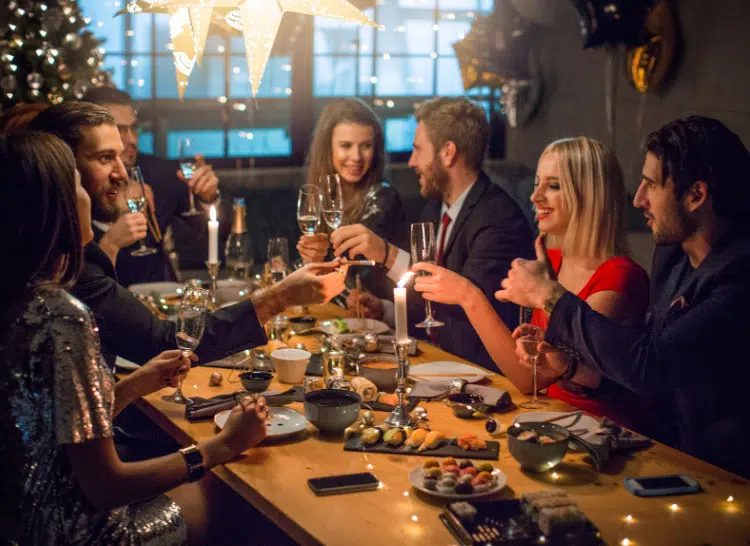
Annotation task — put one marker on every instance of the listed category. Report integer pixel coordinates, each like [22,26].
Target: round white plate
[573,422]
[126,364]
[281,422]
[367,325]
[417,479]
[159,288]
[457,370]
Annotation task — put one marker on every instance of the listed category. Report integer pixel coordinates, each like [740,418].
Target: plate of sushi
[281,422]
[457,480]
[349,325]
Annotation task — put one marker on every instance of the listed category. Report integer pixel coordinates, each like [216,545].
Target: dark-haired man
[170,192]
[693,345]
[479,228]
[126,327]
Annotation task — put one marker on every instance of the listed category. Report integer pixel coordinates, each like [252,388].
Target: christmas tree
[46,53]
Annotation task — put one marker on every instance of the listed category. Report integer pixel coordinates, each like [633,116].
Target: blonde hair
[593,191]
[457,120]
[320,157]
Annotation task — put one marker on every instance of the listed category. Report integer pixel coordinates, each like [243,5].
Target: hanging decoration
[257,20]
[46,53]
[498,52]
[612,22]
[649,65]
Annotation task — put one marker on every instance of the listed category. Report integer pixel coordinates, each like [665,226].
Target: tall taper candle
[213,237]
[399,298]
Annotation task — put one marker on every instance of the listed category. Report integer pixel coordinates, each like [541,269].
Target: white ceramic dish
[372,326]
[417,479]
[126,365]
[448,371]
[162,289]
[281,422]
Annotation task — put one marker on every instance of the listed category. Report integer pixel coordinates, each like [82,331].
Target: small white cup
[290,364]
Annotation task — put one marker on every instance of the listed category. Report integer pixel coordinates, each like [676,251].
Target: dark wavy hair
[38,214]
[704,149]
[66,120]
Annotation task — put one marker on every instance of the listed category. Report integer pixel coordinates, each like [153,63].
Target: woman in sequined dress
[62,481]
[349,141]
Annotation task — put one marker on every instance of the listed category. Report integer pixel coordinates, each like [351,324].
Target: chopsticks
[358,282]
[447,375]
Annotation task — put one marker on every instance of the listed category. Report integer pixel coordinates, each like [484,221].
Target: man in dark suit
[169,195]
[126,327]
[692,347]
[479,228]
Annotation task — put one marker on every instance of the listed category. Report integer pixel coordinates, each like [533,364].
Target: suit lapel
[475,194]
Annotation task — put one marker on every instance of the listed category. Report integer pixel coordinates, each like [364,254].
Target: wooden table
[273,478]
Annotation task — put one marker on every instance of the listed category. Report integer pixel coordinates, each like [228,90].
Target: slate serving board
[491,453]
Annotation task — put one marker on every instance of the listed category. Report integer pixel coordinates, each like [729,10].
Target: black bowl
[256,381]
[465,405]
[300,324]
[534,456]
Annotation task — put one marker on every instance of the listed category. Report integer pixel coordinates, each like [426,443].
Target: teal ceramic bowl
[533,455]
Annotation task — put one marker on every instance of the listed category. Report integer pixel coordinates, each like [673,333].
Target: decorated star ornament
[257,20]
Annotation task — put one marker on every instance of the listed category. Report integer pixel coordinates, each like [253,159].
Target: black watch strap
[194,460]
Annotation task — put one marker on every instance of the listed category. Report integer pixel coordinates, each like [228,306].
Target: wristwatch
[194,460]
[551,301]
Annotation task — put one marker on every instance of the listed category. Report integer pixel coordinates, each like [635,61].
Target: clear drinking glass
[135,196]
[191,321]
[534,336]
[278,258]
[333,200]
[423,250]
[187,166]
[309,209]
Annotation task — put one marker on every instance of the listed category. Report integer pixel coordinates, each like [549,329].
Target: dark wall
[713,80]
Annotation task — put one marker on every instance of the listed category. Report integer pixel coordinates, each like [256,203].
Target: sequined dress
[54,391]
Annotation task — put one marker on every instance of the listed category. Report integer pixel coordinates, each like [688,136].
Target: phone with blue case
[662,486]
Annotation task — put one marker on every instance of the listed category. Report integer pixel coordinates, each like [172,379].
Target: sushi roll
[469,471]
[485,467]
[466,478]
[449,461]
[465,464]
[464,488]
[434,472]
[430,483]
[451,470]
[446,485]
[429,463]
[465,511]
[553,520]
[481,488]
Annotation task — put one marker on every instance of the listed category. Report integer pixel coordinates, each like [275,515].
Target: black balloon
[613,22]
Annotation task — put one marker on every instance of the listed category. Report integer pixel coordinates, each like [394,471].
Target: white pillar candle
[399,298]
[213,237]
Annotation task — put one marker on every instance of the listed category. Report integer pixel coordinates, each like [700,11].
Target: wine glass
[309,205]
[333,200]
[423,250]
[278,258]
[135,196]
[191,321]
[531,340]
[188,166]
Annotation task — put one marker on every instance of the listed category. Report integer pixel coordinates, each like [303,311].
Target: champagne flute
[309,208]
[188,166]
[333,200]
[135,196]
[531,340]
[191,321]
[423,250]
[278,258]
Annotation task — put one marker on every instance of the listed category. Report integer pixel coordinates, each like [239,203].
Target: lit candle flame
[212,214]
[674,507]
[405,279]
[730,498]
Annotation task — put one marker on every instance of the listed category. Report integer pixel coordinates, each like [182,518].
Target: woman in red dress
[580,201]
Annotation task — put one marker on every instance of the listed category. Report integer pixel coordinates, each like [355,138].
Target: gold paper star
[258,20]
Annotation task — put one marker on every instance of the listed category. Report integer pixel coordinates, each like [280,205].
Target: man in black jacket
[692,347]
[126,327]
[479,228]
[169,197]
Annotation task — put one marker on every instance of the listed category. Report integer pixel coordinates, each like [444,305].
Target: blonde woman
[349,141]
[579,197]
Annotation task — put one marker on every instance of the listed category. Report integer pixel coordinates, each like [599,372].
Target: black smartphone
[660,486]
[347,483]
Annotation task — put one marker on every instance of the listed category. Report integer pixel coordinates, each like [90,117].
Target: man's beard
[435,180]
[676,227]
[103,210]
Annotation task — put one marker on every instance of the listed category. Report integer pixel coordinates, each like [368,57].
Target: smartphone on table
[661,486]
[347,483]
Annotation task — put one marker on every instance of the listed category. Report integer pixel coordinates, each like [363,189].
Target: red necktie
[441,248]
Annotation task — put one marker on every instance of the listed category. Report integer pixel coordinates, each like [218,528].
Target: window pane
[259,142]
[146,143]
[332,36]
[166,78]
[161,24]
[399,134]
[334,76]
[208,143]
[449,77]
[140,42]
[405,76]
[207,80]
[116,65]
[276,83]
[413,36]
[451,31]
[103,25]
[139,80]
